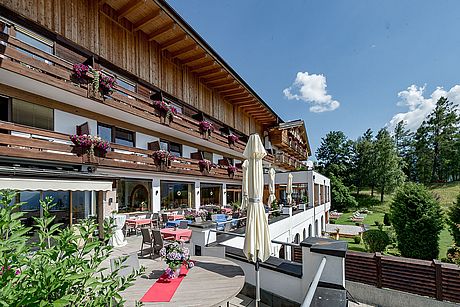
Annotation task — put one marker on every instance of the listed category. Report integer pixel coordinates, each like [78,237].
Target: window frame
[168,143]
[113,131]
[11,115]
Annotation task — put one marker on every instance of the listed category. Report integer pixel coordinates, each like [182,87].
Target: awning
[32,184]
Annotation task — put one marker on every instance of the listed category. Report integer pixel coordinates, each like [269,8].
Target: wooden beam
[215,78]
[241,101]
[194,58]
[173,41]
[167,27]
[129,7]
[233,91]
[236,96]
[101,2]
[209,71]
[227,86]
[215,84]
[192,47]
[202,65]
[147,19]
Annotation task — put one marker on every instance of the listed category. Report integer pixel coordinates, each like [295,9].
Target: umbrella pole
[257,283]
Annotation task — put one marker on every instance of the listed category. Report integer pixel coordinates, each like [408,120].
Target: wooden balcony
[22,142]
[281,139]
[286,161]
[21,58]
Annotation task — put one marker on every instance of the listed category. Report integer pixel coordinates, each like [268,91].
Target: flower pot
[175,271]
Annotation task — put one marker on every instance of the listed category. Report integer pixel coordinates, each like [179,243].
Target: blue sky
[378,58]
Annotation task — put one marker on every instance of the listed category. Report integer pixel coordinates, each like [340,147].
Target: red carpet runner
[163,289]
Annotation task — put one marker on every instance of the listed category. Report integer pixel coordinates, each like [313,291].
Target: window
[34,40]
[124,137]
[173,104]
[122,82]
[33,115]
[4,108]
[175,195]
[105,132]
[174,148]
[207,156]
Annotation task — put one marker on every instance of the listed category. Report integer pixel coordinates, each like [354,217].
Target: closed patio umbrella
[271,187]
[257,236]
[289,189]
[244,186]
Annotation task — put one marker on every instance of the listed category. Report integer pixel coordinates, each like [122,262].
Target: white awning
[32,184]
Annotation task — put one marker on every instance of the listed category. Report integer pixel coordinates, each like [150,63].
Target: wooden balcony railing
[31,62]
[18,141]
[280,139]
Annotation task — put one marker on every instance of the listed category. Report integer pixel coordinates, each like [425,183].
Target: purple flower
[80,70]
[206,126]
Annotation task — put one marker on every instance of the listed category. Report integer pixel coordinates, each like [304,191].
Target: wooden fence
[427,278]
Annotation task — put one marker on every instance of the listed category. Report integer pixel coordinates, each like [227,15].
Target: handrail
[314,284]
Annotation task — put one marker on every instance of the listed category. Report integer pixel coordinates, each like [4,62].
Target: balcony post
[156,195]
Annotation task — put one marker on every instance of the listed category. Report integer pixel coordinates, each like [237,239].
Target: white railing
[314,284]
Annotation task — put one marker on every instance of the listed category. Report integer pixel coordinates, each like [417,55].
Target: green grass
[446,193]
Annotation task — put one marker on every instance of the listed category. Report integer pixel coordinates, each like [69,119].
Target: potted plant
[231,170]
[106,84]
[101,147]
[80,72]
[175,255]
[166,111]
[232,139]
[205,166]
[206,129]
[162,158]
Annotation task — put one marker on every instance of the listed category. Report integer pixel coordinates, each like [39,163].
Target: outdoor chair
[183,224]
[146,239]
[185,239]
[125,266]
[164,219]
[155,220]
[158,242]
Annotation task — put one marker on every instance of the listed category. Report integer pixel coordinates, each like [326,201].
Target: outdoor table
[137,223]
[178,233]
[212,282]
[173,217]
[176,223]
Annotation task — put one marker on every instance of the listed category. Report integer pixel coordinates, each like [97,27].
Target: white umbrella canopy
[257,236]
[244,186]
[289,189]
[271,186]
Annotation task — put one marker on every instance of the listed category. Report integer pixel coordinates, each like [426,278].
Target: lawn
[446,193]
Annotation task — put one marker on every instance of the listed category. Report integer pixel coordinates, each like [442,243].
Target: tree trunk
[381,194]
[372,189]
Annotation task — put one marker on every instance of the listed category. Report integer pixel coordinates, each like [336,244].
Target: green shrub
[341,197]
[377,223]
[55,271]
[332,222]
[454,221]
[417,220]
[376,240]
[386,219]
[357,239]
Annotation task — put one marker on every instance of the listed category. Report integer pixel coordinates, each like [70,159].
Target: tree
[58,272]
[403,139]
[363,160]
[442,125]
[388,173]
[334,154]
[416,217]
[423,154]
[340,195]
[454,221]
[376,240]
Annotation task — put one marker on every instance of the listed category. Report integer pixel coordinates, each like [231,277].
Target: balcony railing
[31,62]
[18,141]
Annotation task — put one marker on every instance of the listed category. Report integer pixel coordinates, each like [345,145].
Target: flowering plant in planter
[175,255]
[106,84]
[80,71]
[231,170]
[232,139]
[162,157]
[165,110]
[83,141]
[205,165]
[101,145]
[206,128]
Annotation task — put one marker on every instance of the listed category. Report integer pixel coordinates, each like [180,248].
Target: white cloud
[311,88]
[419,107]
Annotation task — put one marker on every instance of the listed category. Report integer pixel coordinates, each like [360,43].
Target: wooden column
[438,269]
[378,266]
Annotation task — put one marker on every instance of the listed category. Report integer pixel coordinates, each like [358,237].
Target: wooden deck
[212,282]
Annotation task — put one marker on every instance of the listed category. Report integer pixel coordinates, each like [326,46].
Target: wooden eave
[158,20]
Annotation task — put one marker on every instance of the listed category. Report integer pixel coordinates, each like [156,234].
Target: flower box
[162,159]
[232,139]
[231,170]
[166,111]
[206,166]
[206,129]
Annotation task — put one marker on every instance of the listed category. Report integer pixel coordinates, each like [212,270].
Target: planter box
[287,211]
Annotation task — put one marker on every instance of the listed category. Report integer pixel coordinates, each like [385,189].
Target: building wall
[66,122]
[82,22]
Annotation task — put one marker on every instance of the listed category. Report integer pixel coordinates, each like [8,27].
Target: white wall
[143,139]
[66,122]
[216,158]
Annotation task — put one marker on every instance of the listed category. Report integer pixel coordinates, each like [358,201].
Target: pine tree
[423,154]
[442,124]
[334,155]
[388,172]
[363,160]
[404,146]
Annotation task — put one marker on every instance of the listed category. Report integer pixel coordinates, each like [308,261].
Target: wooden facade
[151,46]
